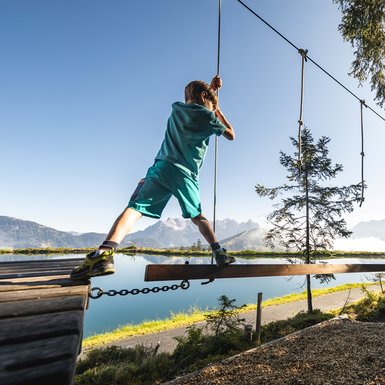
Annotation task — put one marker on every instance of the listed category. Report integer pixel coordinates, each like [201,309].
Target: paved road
[269,314]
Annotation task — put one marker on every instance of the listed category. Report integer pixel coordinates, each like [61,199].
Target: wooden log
[57,373]
[41,326]
[24,269]
[36,361]
[42,306]
[28,283]
[41,293]
[43,262]
[188,272]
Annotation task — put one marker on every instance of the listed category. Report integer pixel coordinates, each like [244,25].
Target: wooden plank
[44,293]
[42,306]
[35,273]
[53,373]
[31,279]
[57,262]
[42,326]
[188,272]
[31,358]
[36,283]
[37,268]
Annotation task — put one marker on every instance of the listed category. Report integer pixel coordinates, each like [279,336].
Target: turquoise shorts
[162,181]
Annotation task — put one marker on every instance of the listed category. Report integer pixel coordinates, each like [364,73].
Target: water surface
[107,313]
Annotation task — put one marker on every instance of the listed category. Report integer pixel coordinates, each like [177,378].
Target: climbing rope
[303,53]
[362,104]
[97,292]
[216,137]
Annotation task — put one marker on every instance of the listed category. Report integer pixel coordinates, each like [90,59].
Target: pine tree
[309,215]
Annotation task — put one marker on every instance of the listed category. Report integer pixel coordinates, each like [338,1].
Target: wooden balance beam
[188,272]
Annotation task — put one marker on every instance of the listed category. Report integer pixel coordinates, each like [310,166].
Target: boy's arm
[229,133]
[216,84]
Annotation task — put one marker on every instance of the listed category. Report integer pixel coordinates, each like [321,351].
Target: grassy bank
[194,253]
[143,365]
[177,320]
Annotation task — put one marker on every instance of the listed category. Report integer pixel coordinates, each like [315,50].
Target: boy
[175,172]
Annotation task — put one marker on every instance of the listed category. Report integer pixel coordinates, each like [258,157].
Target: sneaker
[96,264]
[221,257]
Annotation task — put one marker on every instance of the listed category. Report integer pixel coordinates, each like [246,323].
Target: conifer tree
[309,215]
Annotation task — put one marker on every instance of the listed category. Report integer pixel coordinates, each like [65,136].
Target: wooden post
[259,318]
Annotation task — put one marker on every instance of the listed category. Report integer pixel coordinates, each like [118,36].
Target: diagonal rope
[309,58]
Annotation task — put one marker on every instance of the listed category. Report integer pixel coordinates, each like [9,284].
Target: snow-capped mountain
[176,232]
[173,232]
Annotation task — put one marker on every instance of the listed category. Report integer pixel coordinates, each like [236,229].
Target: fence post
[259,318]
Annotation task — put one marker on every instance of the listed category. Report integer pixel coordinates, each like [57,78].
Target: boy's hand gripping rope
[97,292]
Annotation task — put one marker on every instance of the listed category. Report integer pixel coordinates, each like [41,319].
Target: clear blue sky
[86,89]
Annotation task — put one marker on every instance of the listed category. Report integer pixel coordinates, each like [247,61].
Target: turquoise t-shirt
[187,136]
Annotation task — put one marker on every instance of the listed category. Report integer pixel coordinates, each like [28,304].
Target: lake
[107,313]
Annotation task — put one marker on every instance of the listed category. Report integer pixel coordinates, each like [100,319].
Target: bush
[302,320]
[197,349]
[369,309]
[124,366]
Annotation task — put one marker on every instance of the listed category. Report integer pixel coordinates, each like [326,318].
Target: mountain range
[172,233]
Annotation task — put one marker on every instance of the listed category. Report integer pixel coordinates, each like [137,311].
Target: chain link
[97,292]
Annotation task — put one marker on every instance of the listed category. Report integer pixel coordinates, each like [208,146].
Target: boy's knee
[198,219]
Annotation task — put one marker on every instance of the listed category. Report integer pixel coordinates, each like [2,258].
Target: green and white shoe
[221,257]
[97,263]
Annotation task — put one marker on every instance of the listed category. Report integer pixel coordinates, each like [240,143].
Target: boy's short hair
[194,89]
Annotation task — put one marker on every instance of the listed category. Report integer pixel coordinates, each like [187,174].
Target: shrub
[302,320]
[370,309]
[124,366]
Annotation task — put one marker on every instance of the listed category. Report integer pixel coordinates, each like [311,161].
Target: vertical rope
[362,104]
[216,137]
[303,54]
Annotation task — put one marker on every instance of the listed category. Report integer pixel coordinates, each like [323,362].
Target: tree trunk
[309,295]
[307,251]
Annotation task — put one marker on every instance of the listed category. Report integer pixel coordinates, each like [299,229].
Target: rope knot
[303,53]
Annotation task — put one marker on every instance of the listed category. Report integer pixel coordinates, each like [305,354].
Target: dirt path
[269,314]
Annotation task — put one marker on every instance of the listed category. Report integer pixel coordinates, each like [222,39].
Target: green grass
[192,253]
[142,365]
[197,315]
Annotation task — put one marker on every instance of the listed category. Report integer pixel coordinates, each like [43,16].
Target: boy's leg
[122,226]
[206,230]
[101,261]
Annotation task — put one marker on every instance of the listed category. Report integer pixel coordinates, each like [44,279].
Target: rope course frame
[216,137]
[303,53]
[97,292]
[308,57]
[362,104]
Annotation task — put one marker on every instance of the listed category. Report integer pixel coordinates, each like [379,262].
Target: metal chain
[97,292]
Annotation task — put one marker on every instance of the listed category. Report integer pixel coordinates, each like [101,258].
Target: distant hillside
[175,232]
[247,240]
[18,233]
[370,229]
[172,232]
